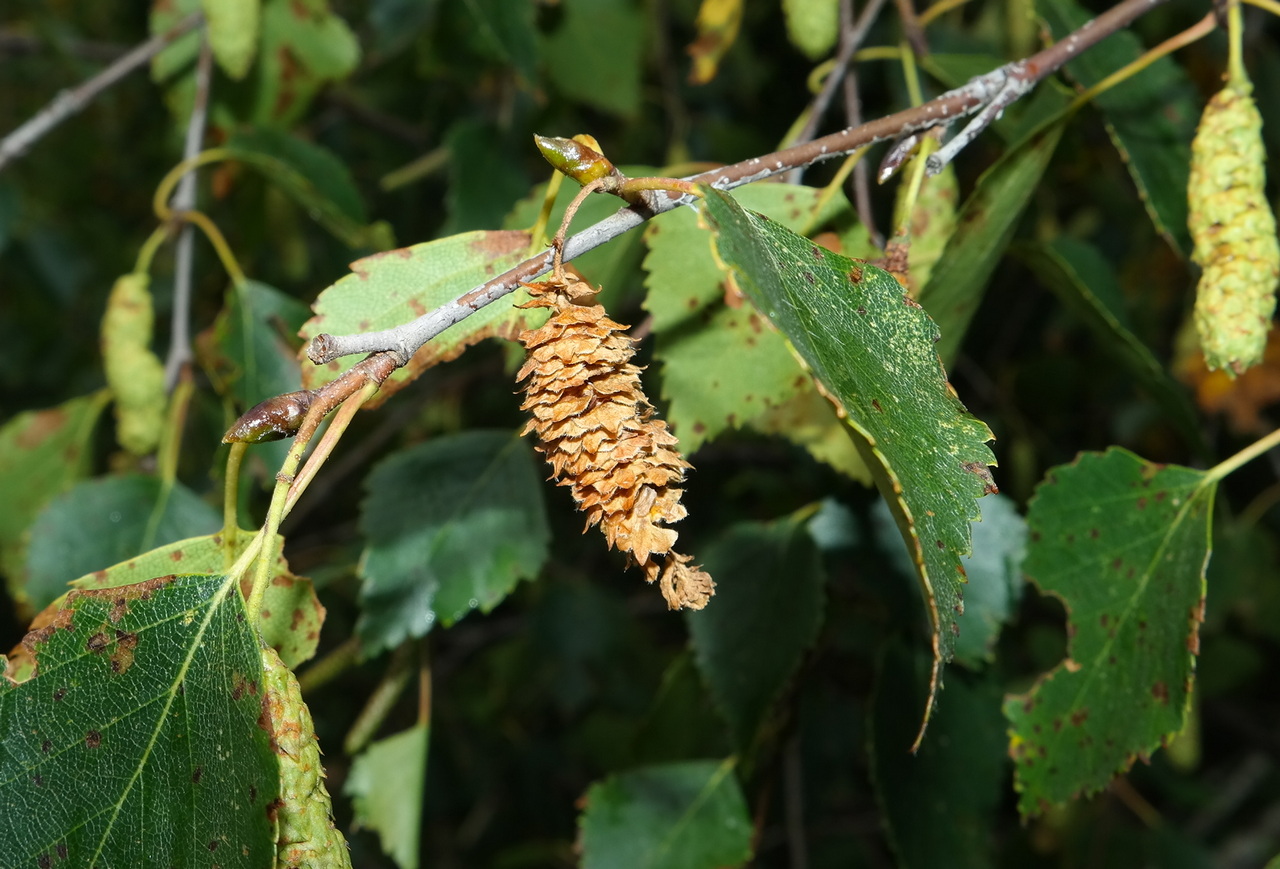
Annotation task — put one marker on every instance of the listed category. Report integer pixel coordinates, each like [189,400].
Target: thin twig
[850,40]
[67,103]
[15,44]
[184,199]
[853,117]
[912,28]
[395,347]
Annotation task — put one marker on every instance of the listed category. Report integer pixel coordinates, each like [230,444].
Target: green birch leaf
[983,228]
[313,177]
[42,453]
[688,815]
[452,525]
[390,289]
[291,613]
[872,348]
[386,786]
[507,31]
[304,46]
[722,366]
[1082,278]
[252,356]
[602,73]
[1151,117]
[745,675]
[138,742]
[105,521]
[1124,544]
[485,176]
[233,33]
[940,804]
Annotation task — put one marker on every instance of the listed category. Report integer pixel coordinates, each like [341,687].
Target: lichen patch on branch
[601,438]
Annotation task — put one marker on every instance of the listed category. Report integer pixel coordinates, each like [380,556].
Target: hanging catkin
[601,438]
[1233,230]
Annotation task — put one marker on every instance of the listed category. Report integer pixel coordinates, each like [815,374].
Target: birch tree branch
[69,102]
[985,95]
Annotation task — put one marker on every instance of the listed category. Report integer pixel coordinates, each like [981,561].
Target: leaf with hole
[138,741]
[1124,543]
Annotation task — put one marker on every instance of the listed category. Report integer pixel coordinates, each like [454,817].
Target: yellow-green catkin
[306,836]
[1233,230]
[134,374]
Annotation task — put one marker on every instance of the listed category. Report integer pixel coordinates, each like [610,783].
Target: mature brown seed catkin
[1234,231]
[600,436]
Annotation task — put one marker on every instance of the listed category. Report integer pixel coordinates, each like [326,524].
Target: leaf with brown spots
[291,612]
[1124,544]
[393,288]
[42,452]
[137,743]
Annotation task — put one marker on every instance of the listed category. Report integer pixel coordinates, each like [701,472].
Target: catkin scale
[1233,230]
[601,438]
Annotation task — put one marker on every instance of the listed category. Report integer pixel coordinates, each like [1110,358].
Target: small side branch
[72,101]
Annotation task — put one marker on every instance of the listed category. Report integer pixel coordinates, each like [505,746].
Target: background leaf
[42,452]
[939,803]
[233,33]
[250,356]
[393,288]
[1151,117]
[1124,544]
[452,525]
[724,365]
[102,522]
[386,786]
[983,228]
[675,816]
[601,73]
[874,354]
[179,772]
[772,587]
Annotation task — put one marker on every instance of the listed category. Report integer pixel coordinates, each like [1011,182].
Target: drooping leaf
[1123,543]
[291,613]
[1151,117]
[42,452]
[507,32]
[993,571]
[389,289]
[812,25]
[452,525]
[102,522]
[314,178]
[688,815]
[251,355]
[939,804]
[233,33]
[386,786]
[873,351]
[138,741]
[1085,282]
[983,228]
[602,73]
[772,585]
[723,364]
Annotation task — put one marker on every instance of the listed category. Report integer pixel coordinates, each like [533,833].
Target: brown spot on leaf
[176,555]
[96,643]
[983,473]
[59,694]
[855,275]
[197,775]
[1160,691]
[44,861]
[93,739]
[46,746]
[1079,717]
[1142,503]
[876,404]
[817,252]
[61,850]
[41,425]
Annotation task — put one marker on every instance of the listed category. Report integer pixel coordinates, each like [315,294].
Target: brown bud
[272,420]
